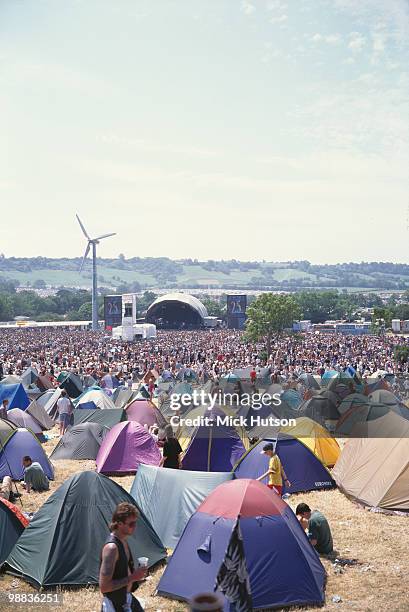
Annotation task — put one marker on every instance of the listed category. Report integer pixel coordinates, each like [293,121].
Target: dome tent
[15,394]
[183,491]
[211,447]
[373,467]
[145,412]
[12,524]
[316,438]
[22,442]
[62,544]
[126,446]
[304,470]
[80,442]
[92,398]
[282,567]
[22,419]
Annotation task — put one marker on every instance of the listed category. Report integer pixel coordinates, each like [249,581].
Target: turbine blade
[84,231]
[105,236]
[85,256]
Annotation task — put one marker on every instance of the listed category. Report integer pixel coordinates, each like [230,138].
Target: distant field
[165,273]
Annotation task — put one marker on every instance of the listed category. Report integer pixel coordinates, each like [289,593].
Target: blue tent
[259,532]
[304,470]
[212,446]
[183,491]
[16,396]
[22,442]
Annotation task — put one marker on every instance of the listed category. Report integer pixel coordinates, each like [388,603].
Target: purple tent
[21,443]
[244,530]
[144,413]
[126,446]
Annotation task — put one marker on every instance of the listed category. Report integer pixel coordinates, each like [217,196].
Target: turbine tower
[92,242]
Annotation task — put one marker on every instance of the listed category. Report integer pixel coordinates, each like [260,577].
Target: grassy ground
[378,544]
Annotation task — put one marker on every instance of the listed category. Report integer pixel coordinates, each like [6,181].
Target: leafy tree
[6,307]
[269,315]
[213,307]
[401,353]
[39,283]
[85,310]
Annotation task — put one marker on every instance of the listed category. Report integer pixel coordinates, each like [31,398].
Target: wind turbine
[92,242]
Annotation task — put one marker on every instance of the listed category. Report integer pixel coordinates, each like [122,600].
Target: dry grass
[378,542]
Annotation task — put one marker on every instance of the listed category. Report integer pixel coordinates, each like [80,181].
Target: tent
[80,442]
[263,538]
[107,418]
[22,442]
[40,415]
[62,545]
[309,381]
[183,491]
[316,438]
[7,429]
[320,408]
[375,470]
[211,446]
[44,382]
[359,414]
[145,413]
[122,396]
[20,418]
[126,446]
[15,394]
[292,398]
[48,400]
[351,401]
[71,383]
[29,376]
[12,524]
[93,398]
[304,470]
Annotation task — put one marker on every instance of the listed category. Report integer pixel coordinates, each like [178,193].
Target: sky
[208,129]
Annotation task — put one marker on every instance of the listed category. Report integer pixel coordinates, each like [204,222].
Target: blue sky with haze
[273,129]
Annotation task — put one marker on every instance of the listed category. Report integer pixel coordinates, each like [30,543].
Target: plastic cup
[143,561]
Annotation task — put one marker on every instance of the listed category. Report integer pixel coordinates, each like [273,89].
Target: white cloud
[247,8]
[279,19]
[356,41]
[330,39]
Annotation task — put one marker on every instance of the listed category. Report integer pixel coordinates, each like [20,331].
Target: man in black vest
[118,573]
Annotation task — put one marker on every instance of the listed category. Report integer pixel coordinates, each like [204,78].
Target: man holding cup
[117,573]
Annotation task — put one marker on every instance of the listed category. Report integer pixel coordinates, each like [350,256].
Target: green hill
[162,272]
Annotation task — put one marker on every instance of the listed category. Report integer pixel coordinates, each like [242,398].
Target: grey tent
[80,442]
[107,418]
[40,415]
[183,491]
[7,429]
[29,376]
[48,400]
[72,384]
[62,544]
[12,524]
[123,396]
[20,418]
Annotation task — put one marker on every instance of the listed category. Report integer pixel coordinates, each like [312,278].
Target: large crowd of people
[207,353]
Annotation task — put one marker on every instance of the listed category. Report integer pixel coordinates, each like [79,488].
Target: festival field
[376,543]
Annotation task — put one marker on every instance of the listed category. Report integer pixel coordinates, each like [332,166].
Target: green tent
[107,418]
[62,544]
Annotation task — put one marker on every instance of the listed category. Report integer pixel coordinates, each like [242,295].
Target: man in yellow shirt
[275,472]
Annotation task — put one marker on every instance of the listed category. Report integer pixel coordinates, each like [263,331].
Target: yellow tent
[316,438]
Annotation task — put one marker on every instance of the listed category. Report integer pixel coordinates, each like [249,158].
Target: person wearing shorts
[64,408]
[275,472]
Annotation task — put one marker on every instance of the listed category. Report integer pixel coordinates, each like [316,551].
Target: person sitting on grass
[317,528]
[34,477]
